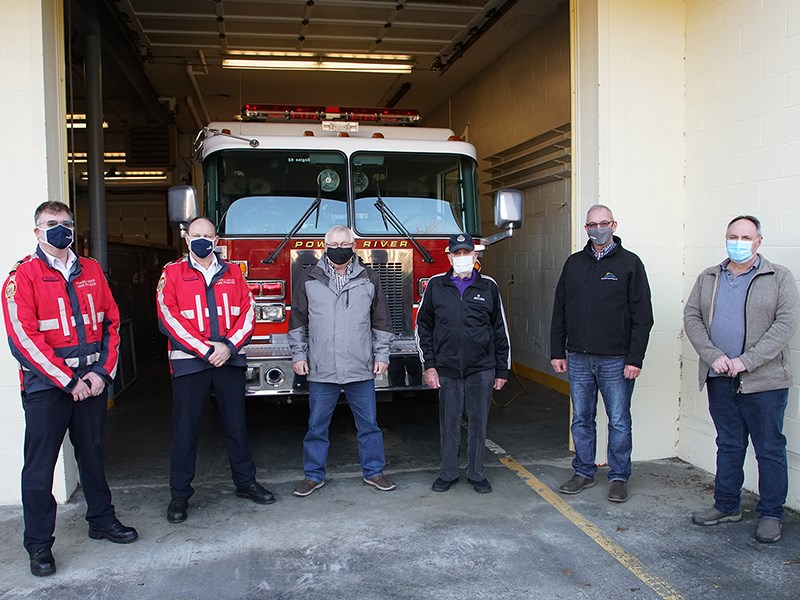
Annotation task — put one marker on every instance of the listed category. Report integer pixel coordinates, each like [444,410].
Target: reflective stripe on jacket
[59,330]
[191,314]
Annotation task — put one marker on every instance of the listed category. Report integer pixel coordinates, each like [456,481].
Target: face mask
[739,251]
[201,247]
[59,236]
[339,256]
[601,235]
[463,264]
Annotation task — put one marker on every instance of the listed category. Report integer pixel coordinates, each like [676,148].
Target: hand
[431,377]
[380,367]
[722,365]
[81,391]
[559,365]
[300,367]
[631,372]
[737,366]
[220,355]
[96,383]
[499,383]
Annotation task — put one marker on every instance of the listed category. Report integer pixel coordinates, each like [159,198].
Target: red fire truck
[278,179]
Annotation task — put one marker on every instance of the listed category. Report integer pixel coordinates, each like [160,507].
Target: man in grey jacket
[342,305]
[739,317]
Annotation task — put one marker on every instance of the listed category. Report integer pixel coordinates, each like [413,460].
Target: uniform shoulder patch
[11,289]
[161,282]
[17,264]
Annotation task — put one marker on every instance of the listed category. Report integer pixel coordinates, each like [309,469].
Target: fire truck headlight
[272,313]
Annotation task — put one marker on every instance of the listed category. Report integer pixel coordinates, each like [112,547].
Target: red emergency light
[291,112]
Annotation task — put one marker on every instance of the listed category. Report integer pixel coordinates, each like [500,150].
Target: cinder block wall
[521,95]
[743,156]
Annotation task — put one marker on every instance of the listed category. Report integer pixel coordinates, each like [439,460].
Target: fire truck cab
[276,181]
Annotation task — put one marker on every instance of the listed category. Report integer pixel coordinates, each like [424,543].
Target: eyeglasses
[593,225]
[340,245]
[53,223]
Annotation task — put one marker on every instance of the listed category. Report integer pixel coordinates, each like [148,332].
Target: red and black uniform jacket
[60,330]
[191,314]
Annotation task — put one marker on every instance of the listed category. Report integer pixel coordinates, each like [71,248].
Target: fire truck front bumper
[269,370]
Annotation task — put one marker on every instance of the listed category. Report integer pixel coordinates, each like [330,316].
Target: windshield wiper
[390,217]
[314,207]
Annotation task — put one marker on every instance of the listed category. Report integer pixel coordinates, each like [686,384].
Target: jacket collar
[588,247]
[76,267]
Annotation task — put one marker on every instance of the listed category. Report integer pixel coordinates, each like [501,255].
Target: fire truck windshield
[257,192]
[430,194]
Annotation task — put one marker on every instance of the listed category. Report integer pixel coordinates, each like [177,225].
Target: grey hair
[339,229]
[597,206]
[751,218]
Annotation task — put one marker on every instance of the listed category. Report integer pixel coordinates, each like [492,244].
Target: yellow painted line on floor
[628,560]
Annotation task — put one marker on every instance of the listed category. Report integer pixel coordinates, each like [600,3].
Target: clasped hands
[728,366]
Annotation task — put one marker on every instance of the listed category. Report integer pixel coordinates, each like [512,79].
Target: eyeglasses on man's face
[593,225]
[53,223]
[340,245]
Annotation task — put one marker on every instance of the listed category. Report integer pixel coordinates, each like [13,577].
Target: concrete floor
[349,541]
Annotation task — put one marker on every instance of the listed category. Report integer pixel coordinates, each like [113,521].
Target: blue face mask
[739,251]
[201,247]
[59,236]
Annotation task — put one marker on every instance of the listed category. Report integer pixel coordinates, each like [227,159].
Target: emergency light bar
[288,112]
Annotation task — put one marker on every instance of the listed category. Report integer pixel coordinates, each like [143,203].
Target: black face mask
[339,256]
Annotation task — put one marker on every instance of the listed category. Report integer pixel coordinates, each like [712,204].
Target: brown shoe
[576,484]
[307,487]
[380,482]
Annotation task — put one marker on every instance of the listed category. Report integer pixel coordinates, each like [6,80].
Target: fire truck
[275,181]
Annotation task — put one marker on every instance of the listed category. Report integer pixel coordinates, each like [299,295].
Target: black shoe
[440,485]
[177,511]
[256,492]
[482,487]
[618,491]
[114,532]
[42,562]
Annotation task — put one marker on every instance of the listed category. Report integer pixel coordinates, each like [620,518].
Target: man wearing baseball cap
[463,343]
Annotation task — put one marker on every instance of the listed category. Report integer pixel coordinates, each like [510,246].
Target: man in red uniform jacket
[63,328]
[208,315]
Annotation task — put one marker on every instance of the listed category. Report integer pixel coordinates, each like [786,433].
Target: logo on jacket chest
[479,298]
[82,283]
[609,276]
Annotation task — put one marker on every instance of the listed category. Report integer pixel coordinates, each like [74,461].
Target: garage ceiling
[449,42]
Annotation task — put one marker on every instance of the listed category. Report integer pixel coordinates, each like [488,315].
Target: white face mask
[463,264]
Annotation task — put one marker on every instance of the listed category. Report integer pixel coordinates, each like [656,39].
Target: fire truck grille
[391,277]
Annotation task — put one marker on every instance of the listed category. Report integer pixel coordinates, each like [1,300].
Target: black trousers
[49,414]
[189,393]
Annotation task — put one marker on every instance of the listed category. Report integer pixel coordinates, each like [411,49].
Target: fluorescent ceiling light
[108,157]
[78,121]
[131,177]
[309,61]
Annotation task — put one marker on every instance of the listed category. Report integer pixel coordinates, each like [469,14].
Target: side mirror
[181,205]
[508,209]
[507,215]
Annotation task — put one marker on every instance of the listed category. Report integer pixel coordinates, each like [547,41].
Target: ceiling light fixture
[309,61]
[108,157]
[78,121]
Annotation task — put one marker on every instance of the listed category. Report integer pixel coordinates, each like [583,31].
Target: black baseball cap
[460,241]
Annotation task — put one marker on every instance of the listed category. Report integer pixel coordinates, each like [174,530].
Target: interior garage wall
[523,94]
[743,156]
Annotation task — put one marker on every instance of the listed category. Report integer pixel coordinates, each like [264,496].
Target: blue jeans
[760,416]
[588,373]
[321,401]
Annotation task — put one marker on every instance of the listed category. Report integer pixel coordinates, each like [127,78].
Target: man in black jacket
[463,342]
[602,318]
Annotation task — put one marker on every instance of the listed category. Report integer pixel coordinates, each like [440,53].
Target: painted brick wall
[743,156]
[29,88]
[521,95]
